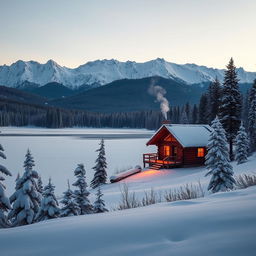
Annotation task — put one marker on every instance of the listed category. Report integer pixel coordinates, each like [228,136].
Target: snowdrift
[219,224]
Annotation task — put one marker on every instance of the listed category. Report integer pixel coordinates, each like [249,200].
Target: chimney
[166,122]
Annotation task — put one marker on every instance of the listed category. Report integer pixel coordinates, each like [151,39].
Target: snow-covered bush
[81,194]
[245,181]
[4,200]
[242,145]
[217,160]
[26,199]
[49,208]
[100,175]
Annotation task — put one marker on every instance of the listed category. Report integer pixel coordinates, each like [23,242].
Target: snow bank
[220,224]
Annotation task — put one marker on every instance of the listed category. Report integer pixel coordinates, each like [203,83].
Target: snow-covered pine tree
[242,145]
[81,194]
[231,105]
[99,204]
[26,199]
[252,118]
[4,200]
[40,185]
[100,175]
[70,207]
[217,160]
[49,208]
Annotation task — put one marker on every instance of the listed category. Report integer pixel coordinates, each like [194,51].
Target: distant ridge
[100,72]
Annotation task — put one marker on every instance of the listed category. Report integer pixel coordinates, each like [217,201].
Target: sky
[205,32]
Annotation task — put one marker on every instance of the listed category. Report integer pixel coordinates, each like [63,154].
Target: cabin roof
[188,135]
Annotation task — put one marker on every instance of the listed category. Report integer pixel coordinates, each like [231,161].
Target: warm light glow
[167,150]
[200,152]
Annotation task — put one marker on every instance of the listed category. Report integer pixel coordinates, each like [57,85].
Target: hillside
[131,95]
[101,72]
[53,90]
[12,94]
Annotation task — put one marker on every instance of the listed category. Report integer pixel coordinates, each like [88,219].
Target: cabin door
[174,152]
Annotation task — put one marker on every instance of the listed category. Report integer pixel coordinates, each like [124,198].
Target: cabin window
[200,152]
[167,150]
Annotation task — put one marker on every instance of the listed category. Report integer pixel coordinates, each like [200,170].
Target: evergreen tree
[99,204]
[49,208]
[26,198]
[194,117]
[70,207]
[242,145]
[100,175]
[82,194]
[214,92]
[40,185]
[4,200]
[245,111]
[217,160]
[184,119]
[203,114]
[230,108]
[252,118]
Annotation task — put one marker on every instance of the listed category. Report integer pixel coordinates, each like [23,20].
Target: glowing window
[200,152]
[167,151]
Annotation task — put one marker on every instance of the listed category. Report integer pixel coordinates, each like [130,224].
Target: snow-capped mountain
[101,72]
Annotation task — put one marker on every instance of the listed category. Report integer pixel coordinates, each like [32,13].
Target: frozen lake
[57,151]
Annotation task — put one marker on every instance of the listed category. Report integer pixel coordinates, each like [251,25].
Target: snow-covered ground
[218,224]
[221,224]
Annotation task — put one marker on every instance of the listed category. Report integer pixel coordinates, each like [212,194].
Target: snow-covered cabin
[178,145]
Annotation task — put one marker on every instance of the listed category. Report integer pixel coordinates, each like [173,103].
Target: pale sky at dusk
[205,32]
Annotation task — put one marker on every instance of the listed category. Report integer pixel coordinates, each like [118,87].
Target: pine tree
[4,200]
[40,185]
[99,204]
[194,115]
[203,114]
[214,92]
[26,199]
[252,118]
[100,175]
[242,145]
[49,208]
[184,119]
[70,207]
[82,194]
[217,160]
[230,108]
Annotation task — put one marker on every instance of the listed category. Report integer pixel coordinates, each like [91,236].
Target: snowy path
[220,224]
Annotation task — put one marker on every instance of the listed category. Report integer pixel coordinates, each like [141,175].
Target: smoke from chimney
[159,92]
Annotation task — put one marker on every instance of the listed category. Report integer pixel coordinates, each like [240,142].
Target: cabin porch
[155,162]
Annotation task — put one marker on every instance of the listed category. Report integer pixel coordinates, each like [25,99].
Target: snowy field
[221,224]
[57,151]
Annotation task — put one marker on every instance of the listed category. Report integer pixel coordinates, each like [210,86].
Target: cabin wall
[174,143]
[191,158]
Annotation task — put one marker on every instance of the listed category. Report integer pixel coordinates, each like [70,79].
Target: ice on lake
[57,151]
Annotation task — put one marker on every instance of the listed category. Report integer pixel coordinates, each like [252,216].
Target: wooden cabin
[178,145]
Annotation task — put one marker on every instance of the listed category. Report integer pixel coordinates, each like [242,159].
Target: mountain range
[22,74]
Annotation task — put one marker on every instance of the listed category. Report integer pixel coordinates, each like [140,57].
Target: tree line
[32,203]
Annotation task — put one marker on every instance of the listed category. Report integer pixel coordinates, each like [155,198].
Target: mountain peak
[100,72]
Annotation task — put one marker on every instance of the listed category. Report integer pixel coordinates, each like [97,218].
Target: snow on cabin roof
[188,135]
